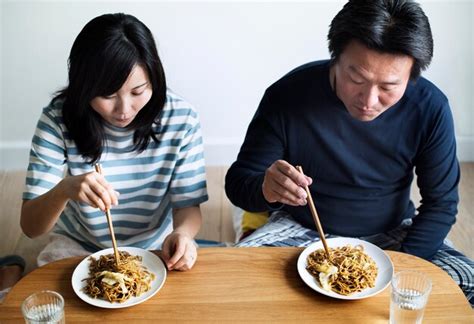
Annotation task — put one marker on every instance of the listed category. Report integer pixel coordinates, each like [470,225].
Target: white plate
[384,265]
[150,260]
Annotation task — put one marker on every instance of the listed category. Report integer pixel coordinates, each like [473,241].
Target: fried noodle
[356,270]
[117,283]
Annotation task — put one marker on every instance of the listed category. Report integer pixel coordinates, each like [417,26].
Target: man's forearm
[245,191]
[430,228]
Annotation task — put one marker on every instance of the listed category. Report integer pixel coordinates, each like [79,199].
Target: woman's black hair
[101,59]
[388,26]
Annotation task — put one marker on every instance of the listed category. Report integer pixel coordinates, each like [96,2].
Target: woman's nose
[123,106]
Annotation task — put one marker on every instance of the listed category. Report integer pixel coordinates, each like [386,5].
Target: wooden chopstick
[98,169]
[315,217]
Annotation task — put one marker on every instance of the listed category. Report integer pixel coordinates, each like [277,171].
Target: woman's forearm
[39,215]
[187,220]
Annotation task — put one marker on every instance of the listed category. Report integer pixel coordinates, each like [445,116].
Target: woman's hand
[39,215]
[179,251]
[90,188]
[284,184]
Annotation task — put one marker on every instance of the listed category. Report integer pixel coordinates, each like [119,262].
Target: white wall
[219,55]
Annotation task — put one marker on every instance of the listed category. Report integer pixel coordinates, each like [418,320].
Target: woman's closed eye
[138,93]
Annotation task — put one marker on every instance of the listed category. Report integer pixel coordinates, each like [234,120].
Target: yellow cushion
[252,221]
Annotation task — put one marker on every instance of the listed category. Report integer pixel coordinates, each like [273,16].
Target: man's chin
[363,115]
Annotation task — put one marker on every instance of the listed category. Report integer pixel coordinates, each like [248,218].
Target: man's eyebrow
[141,85]
[397,82]
[390,82]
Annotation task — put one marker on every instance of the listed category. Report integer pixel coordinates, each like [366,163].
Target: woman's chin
[120,123]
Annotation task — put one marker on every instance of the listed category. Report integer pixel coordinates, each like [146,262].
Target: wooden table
[240,285]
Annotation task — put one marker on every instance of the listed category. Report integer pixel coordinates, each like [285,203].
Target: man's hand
[284,184]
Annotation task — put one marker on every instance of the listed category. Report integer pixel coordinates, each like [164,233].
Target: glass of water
[43,307]
[410,292]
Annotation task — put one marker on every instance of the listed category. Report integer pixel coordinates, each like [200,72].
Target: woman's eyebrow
[141,85]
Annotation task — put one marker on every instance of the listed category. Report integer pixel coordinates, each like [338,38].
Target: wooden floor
[462,233]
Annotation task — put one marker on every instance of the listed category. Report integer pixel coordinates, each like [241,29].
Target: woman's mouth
[123,120]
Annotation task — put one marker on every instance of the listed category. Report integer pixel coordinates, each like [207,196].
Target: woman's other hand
[179,251]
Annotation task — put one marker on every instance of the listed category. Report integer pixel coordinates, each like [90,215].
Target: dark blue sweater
[361,170]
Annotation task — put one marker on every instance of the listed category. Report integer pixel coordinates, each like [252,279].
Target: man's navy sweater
[361,170]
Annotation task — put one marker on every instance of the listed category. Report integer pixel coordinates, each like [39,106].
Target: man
[359,124]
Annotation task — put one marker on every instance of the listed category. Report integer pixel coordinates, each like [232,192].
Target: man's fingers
[288,198]
[285,184]
[291,172]
[286,188]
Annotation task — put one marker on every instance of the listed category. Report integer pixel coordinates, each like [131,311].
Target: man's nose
[370,97]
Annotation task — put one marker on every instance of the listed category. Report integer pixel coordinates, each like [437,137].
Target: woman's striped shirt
[168,174]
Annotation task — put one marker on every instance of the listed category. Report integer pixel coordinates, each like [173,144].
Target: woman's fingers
[185,263]
[176,255]
[165,251]
[187,259]
[179,252]
[103,190]
[93,200]
[91,188]
[107,190]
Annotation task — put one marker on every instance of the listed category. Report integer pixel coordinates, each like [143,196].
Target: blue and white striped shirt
[166,175]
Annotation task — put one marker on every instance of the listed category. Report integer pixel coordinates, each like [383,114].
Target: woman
[116,111]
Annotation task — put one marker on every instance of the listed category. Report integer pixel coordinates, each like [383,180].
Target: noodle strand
[356,270]
[117,283]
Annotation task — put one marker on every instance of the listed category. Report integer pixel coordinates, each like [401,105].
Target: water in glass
[406,306]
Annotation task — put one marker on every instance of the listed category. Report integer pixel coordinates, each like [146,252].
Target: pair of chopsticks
[315,217]
[98,169]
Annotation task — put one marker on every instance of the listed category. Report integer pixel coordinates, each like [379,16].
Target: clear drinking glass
[43,307]
[410,292]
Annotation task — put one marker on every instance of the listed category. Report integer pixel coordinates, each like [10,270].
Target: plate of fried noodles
[98,280]
[358,269]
